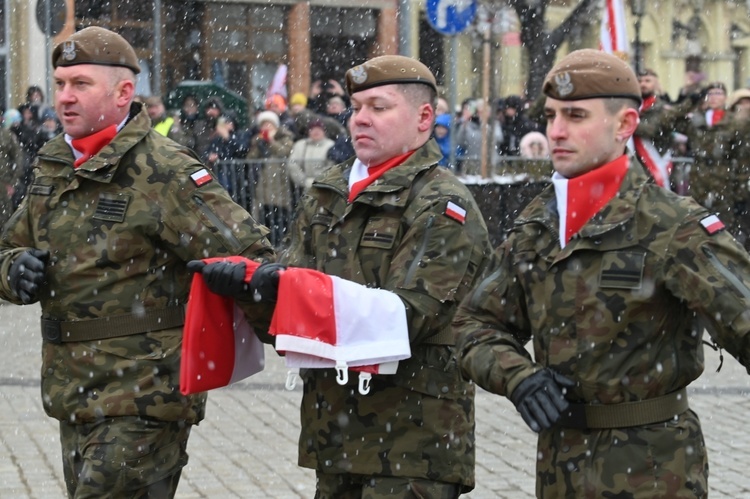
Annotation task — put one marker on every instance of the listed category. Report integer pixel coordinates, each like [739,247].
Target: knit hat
[267,116]
[386,70]
[298,98]
[316,123]
[591,74]
[95,45]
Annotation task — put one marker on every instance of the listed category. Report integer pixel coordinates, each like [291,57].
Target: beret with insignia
[96,45]
[387,70]
[591,74]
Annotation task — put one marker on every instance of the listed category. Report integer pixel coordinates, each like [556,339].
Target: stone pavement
[246,447]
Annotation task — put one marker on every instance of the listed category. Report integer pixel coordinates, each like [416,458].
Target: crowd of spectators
[25,129]
[290,141]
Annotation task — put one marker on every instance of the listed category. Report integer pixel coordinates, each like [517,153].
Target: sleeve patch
[201,177]
[457,213]
[712,224]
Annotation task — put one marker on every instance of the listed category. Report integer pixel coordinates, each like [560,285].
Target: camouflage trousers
[343,486]
[123,457]
[662,460]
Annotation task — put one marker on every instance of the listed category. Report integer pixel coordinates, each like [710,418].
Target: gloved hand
[540,398]
[223,278]
[26,274]
[265,282]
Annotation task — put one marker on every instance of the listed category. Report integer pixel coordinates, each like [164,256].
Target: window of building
[340,39]
[134,20]
[245,44]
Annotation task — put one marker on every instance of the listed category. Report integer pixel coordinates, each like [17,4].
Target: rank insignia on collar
[712,224]
[69,50]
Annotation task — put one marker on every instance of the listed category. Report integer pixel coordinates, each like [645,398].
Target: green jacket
[120,229]
[395,236]
[620,310]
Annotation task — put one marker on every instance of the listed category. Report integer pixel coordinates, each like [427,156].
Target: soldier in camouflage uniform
[410,227]
[711,175]
[610,294]
[735,142]
[652,141]
[102,240]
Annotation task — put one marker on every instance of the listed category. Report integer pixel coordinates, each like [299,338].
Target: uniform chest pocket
[622,270]
[380,232]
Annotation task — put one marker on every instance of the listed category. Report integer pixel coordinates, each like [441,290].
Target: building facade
[241,43]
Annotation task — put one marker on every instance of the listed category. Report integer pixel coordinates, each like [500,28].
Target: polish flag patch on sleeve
[452,210]
[201,177]
[712,224]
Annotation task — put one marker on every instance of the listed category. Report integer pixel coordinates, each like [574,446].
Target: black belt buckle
[52,331]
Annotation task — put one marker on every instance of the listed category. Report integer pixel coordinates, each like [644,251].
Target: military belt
[626,414]
[101,328]
[444,337]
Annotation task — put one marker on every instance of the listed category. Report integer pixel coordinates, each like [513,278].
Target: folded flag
[323,321]
[219,346]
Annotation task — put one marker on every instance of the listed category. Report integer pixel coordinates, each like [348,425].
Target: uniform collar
[617,212]
[97,168]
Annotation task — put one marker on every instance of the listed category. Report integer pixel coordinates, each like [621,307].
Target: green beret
[95,45]
[591,74]
[387,70]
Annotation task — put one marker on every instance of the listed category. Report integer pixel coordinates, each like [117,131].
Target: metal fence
[266,189]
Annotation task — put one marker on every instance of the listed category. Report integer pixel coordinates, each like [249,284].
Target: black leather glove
[540,398]
[265,282]
[223,278]
[26,274]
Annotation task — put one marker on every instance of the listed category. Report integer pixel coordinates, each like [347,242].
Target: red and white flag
[613,37]
[278,84]
[323,321]
[660,166]
[219,347]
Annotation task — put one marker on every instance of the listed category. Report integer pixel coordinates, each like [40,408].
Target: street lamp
[637,7]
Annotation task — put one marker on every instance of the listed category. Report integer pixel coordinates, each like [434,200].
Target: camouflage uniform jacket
[273,186]
[120,229]
[615,310]
[657,124]
[419,422]
[712,175]
[11,172]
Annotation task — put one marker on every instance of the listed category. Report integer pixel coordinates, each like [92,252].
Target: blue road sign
[450,17]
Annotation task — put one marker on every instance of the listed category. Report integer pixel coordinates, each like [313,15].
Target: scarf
[87,147]
[713,116]
[373,173]
[580,198]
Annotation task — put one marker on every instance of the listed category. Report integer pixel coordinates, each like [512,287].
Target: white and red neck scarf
[362,176]
[85,148]
[713,116]
[580,198]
